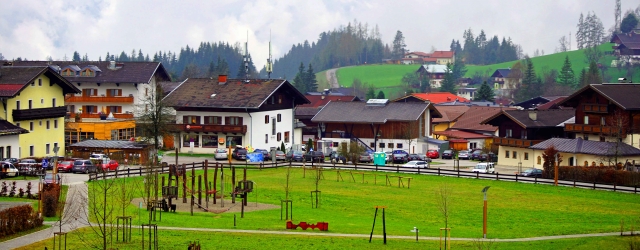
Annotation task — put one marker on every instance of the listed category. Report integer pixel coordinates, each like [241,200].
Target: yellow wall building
[33,99]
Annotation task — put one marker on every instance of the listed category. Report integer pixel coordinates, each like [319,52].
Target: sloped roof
[235,93]
[308,112]
[360,112]
[167,87]
[7,128]
[627,39]
[501,73]
[625,95]
[110,144]
[471,119]
[418,53]
[442,54]
[461,134]
[580,146]
[435,97]
[551,104]
[450,113]
[319,100]
[130,72]
[14,79]
[435,68]
[544,118]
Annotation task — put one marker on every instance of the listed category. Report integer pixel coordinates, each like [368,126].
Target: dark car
[294,155]
[532,172]
[476,155]
[483,157]
[83,166]
[239,154]
[314,156]
[414,157]
[400,156]
[265,154]
[447,154]
[12,160]
[337,158]
[48,178]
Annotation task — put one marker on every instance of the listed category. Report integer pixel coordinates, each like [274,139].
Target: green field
[385,77]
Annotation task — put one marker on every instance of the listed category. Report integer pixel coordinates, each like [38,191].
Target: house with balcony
[606,112]
[378,125]
[627,46]
[34,109]
[435,73]
[505,81]
[307,129]
[221,112]
[518,130]
[109,89]
[477,135]
[450,115]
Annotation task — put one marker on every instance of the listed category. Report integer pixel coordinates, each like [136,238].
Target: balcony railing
[242,129]
[112,99]
[117,116]
[594,129]
[513,142]
[595,108]
[39,113]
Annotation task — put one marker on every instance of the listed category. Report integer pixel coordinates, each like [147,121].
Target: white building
[214,113]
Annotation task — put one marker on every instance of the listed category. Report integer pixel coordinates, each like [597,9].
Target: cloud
[40,28]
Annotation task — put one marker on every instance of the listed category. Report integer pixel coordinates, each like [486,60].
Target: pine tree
[371,94]
[567,77]
[583,78]
[380,95]
[76,56]
[310,79]
[531,86]
[298,81]
[399,47]
[448,83]
[593,75]
[123,57]
[485,93]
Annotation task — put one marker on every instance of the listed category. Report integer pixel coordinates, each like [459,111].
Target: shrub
[13,189]
[3,190]
[18,219]
[50,200]
[21,193]
[29,195]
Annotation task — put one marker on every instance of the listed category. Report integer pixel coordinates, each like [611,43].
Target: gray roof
[72,67]
[359,112]
[580,146]
[544,118]
[625,95]
[110,144]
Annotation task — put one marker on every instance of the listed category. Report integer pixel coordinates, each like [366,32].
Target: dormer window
[68,72]
[87,72]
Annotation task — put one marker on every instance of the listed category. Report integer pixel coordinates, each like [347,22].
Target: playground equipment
[322,226]
[384,227]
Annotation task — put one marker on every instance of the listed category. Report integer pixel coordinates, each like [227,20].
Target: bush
[21,193]
[3,190]
[18,219]
[12,193]
[50,200]
[599,174]
[29,195]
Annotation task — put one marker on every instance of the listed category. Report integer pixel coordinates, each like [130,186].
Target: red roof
[317,100]
[10,89]
[461,134]
[442,54]
[429,59]
[439,97]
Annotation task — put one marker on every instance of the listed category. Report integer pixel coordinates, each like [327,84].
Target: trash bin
[379,158]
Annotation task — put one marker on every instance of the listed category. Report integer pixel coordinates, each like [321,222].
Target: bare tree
[102,211]
[563,45]
[619,123]
[442,196]
[482,244]
[351,151]
[154,118]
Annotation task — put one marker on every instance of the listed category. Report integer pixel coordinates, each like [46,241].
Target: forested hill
[355,44]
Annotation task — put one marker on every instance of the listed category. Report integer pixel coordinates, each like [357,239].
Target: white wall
[12,141]
[127,89]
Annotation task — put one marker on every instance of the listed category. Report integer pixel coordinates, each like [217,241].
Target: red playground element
[323,226]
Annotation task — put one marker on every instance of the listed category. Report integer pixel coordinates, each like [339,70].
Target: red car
[109,165]
[433,154]
[65,166]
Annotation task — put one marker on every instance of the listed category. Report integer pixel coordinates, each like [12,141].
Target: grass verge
[23,233]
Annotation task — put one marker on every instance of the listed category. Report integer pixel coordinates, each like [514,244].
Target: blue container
[255,157]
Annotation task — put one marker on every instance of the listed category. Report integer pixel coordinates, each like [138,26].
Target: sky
[37,29]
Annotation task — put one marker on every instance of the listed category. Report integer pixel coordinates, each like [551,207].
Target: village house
[33,101]
[221,112]
[433,97]
[450,115]
[435,74]
[468,132]
[627,47]
[378,125]
[537,101]
[303,114]
[505,81]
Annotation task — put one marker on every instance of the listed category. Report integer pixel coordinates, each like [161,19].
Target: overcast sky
[36,29]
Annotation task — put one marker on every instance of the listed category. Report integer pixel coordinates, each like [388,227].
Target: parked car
[433,154]
[65,166]
[28,165]
[400,156]
[416,164]
[314,156]
[336,157]
[83,166]
[48,178]
[483,157]
[109,165]
[12,160]
[415,157]
[388,156]
[8,170]
[365,157]
[532,172]
[239,154]
[98,157]
[265,154]
[294,155]
[463,155]
[476,154]
[220,154]
[484,167]
[280,156]
[447,154]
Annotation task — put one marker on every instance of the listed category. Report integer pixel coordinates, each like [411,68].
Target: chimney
[222,79]
[533,115]
[112,65]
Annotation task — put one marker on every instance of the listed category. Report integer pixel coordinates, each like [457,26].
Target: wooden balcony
[96,115]
[241,129]
[513,142]
[593,129]
[39,113]
[110,99]
[595,108]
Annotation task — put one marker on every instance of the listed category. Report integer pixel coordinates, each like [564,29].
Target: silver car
[463,154]
[221,154]
[280,156]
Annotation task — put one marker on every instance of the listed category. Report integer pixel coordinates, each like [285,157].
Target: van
[9,169]
[484,168]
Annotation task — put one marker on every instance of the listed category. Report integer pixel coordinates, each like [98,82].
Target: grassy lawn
[323,83]
[216,240]
[515,209]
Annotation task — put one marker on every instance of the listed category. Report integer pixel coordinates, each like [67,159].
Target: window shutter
[119,109]
[119,92]
[239,121]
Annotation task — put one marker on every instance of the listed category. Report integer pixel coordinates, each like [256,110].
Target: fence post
[397,168]
[116,173]
[516,177]
[477,175]
[458,172]
[128,172]
[497,178]
[438,171]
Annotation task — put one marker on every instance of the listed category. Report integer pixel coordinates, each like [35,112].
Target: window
[526,156]
[539,160]
[31,149]
[33,83]
[266,119]
[47,124]
[53,102]
[279,99]
[586,119]
[585,137]
[390,145]
[46,148]
[508,133]
[40,123]
[41,100]
[30,104]
[18,124]
[8,151]
[279,136]
[286,136]
[68,72]
[279,117]
[213,120]
[234,140]
[273,100]
[55,145]
[602,121]
[114,109]
[233,120]
[89,109]
[191,119]
[372,145]
[188,138]
[89,92]
[515,155]
[30,126]
[114,92]
[209,141]
[523,134]
[273,126]
[506,155]
[39,82]
[146,92]
[602,138]
[123,134]
[399,145]
[335,144]
[381,145]
[18,105]
[266,138]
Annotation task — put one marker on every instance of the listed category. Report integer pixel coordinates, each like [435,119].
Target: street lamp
[484,212]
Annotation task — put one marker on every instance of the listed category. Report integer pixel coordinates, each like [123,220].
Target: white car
[99,157]
[221,154]
[484,168]
[416,164]
[9,169]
